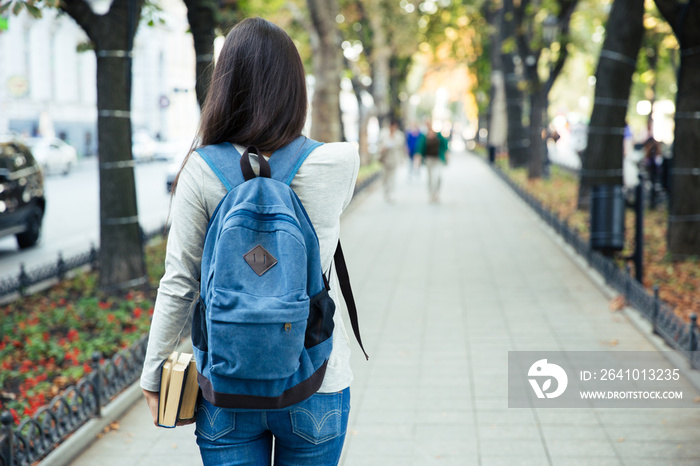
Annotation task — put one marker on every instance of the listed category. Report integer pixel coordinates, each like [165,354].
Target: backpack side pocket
[320,324]
[199,327]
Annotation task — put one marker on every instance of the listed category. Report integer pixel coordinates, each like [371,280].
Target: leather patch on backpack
[260,260]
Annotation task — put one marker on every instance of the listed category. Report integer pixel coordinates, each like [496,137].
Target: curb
[642,325]
[82,438]
[86,435]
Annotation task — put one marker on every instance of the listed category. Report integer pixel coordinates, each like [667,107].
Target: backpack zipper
[266,217]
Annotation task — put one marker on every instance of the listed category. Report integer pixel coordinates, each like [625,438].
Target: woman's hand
[152,402]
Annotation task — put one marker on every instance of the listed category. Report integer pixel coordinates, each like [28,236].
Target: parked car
[168,151]
[173,170]
[22,202]
[143,147]
[53,154]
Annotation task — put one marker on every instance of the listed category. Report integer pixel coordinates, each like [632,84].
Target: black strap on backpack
[247,167]
[346,289]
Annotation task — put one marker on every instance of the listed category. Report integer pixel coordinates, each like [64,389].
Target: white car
[53,154]
[173,169]
[143,147]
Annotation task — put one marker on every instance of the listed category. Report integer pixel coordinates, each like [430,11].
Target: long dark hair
[257,94]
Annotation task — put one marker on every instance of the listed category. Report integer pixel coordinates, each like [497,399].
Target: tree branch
[319,11]
[81,12]
[670,10]
[521,37]
[564,19]
[366,36]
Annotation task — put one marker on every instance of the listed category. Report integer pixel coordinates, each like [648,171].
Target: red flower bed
[48,339]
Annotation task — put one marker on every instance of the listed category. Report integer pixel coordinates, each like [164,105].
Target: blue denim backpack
[262,329]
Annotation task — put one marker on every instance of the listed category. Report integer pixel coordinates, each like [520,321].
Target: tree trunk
[122,262]
[399,70]
[684,209]
[363,137]
[653,61]
[517,139]
[362,123]
[538,109]
[327,65]
[201,16]
[497,117]
[362,113]
[538,88]
[380,61]
[602,159]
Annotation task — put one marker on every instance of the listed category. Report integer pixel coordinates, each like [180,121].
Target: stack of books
[178,390]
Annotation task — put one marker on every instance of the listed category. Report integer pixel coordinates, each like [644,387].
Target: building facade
[48,85]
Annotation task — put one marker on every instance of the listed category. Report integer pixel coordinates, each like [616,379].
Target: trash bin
[492,154]
[607,218]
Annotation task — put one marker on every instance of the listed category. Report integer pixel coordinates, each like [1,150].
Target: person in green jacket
[433,149]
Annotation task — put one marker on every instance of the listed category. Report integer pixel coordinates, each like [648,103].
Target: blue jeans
[311,433]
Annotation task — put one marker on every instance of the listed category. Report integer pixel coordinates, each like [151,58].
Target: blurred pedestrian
[433,148]
[413,135]
[257,97]
[627,140]
[654,163]
[392,153]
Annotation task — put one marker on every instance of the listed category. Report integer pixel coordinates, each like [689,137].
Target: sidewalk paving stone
[444,291]
[137,442]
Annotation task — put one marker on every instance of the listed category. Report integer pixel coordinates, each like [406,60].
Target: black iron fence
[678,334]
[22,282]
[37,436]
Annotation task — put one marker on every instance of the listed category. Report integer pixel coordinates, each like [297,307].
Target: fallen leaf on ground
[114,425]
[617,303]
[61,381]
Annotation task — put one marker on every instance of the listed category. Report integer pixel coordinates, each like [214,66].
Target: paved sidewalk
[444,292]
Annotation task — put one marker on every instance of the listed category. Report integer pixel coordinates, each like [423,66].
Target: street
[71,222]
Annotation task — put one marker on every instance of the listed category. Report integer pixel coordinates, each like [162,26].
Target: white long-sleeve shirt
[324,183]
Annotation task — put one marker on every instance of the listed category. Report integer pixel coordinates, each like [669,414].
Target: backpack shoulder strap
[224,160]
[344,279]
[285,162]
